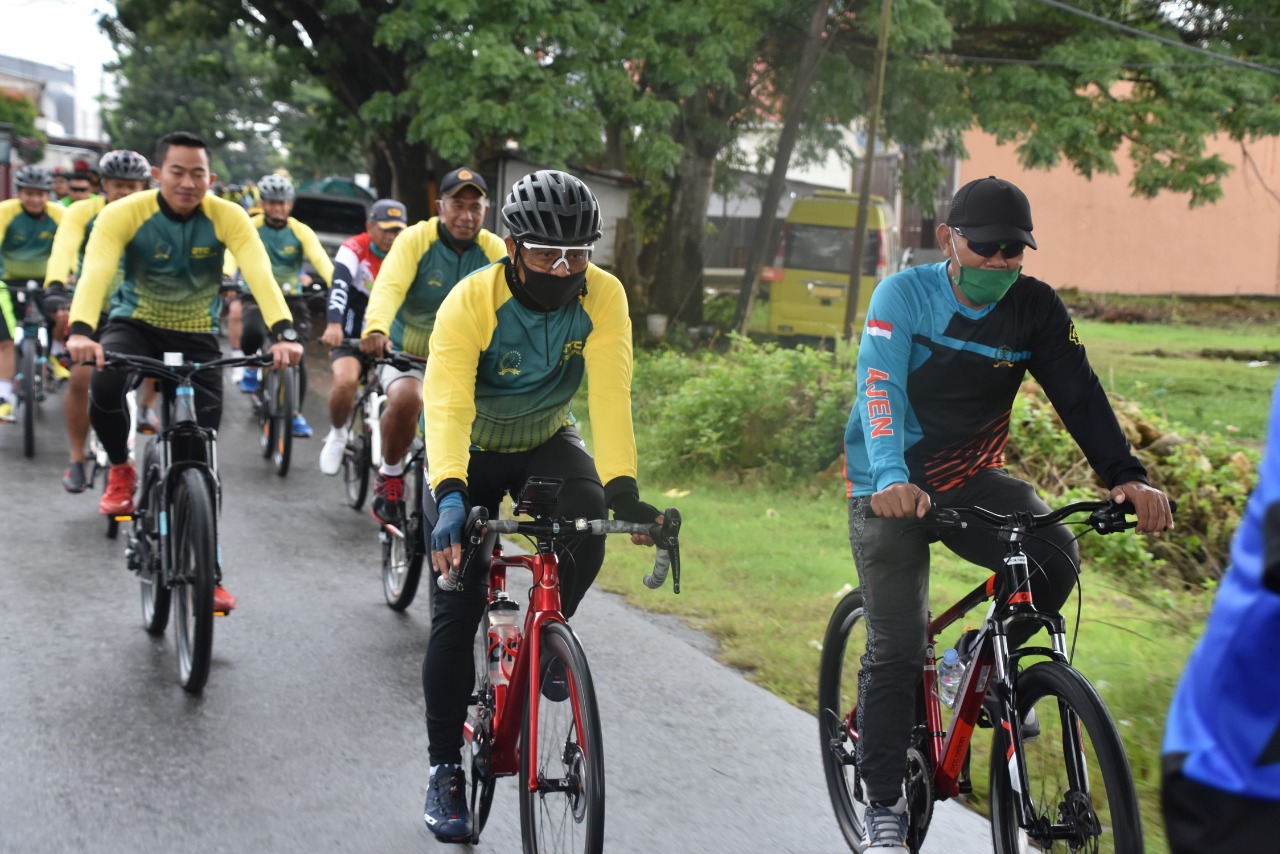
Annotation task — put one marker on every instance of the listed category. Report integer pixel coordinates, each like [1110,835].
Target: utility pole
[868,160]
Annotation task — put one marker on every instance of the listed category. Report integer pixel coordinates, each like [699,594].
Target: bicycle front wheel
[1078,780]
[562,735]
[195,569]
[145,537]
[264,404]
[402,557]
[28,395]
[282,420]
[355,459]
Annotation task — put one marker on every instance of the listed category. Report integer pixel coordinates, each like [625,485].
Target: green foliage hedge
[778,415]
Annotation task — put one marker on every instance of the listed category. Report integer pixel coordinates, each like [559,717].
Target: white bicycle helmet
[124,165]
[275,188]
[34,177]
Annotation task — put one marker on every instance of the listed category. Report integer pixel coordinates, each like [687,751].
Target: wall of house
[1094,235]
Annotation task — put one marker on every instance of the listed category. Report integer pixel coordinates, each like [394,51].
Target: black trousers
[448,677]
[108,411]
[1200,819]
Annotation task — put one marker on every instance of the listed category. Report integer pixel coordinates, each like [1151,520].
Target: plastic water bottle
[950,674]
[504,638]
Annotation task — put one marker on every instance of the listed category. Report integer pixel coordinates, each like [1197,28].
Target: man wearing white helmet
[288,242]
[27,226]
[123,173]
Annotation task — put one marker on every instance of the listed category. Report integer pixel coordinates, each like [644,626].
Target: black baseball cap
[991,210]
[462,177]
[388,213]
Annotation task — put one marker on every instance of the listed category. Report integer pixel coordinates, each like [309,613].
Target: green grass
[1215,395]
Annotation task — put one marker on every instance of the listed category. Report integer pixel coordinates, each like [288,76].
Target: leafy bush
[780,411]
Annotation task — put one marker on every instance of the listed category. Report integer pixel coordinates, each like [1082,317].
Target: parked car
[332,218]
[915,256]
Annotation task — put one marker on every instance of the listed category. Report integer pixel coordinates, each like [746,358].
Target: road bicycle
[173,537]
[1060,779]
[275,404]
[33,378]
[550,736]
[363,451]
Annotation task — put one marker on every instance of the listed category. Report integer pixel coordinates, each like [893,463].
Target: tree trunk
[673,263]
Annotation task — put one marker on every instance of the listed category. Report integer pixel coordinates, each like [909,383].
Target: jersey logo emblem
[1004,358]
[201,251]
[510,363]
[162,252]
[1072,335]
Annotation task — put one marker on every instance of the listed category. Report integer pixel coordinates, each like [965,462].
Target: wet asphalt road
[309,735]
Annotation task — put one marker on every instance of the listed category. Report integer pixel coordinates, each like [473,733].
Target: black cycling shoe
[446,812]
[73,480]
[555,681]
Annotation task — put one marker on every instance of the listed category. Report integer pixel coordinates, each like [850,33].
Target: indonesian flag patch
[880,328]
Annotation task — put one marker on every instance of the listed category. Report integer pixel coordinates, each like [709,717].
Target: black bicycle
[275,404]
[33,377]
[173,539]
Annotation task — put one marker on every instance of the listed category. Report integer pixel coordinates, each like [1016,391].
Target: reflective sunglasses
[546,258]
[1011,248]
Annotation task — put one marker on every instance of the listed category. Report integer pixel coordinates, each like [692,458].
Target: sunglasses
[1010,248]
[76,189]
[546,258]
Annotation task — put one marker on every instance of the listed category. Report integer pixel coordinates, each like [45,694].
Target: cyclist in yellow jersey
[172,241]
[513,344]
[427,260]
[288,242]
[123,173]
[27,226]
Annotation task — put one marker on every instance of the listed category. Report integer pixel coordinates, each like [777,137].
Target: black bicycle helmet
[275,188]
[34,177]
[552,207]
[124,165]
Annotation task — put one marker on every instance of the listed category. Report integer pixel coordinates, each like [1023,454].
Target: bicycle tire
[479,748]
[29,395]
[282,421]
[566,811]
[263,401]
[839,669]
[1107,821]
[195,561]
[155,595]
[355,459]
[113,525]
[402,557]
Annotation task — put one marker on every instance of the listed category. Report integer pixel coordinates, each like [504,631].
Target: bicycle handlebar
[665,536]
[1105,517]
[158,367]
[401,360]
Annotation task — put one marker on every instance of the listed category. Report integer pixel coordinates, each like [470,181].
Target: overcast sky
[59,32]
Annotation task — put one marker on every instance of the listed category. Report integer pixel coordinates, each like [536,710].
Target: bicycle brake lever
[473,534]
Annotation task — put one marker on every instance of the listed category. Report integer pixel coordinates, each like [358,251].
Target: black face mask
[547,291]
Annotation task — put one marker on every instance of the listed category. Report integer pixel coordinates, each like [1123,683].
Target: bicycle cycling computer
[538,496]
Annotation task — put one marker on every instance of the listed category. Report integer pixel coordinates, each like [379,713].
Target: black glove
[628,507]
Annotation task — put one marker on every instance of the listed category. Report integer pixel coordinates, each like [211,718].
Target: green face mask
[983,286]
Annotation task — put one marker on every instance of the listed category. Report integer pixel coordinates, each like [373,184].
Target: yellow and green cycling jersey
[502,376]
[172,264]
[287,245]
[26,240]
[67,256]
[418,273]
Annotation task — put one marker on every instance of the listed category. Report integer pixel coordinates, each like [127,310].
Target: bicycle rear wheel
[1078,776]
[195,569]
[566,811]
[282,420]
[29,394]
[839,675]
[264,403]
[355,458]
[155,596]
[402,557]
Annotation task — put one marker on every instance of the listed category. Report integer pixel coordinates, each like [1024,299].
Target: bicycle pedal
[221,613]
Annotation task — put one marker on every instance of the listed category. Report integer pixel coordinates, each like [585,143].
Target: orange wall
[1094,235]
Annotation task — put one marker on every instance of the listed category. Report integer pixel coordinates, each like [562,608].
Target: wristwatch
[288,334]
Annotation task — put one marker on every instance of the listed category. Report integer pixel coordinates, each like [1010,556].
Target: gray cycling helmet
[275,188]
[552,207]
[34,177]
[124,165]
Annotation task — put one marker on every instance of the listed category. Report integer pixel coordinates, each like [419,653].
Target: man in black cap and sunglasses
[944,350]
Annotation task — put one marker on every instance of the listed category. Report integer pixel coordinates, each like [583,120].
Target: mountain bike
[173,538]
[275,404]
[33,377]
[552,738]
[363,452]
[1060,778]
[404,549]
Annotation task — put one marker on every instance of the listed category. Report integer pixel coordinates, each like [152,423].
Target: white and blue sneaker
[886,828]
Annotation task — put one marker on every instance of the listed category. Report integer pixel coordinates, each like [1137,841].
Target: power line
[1107,22]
